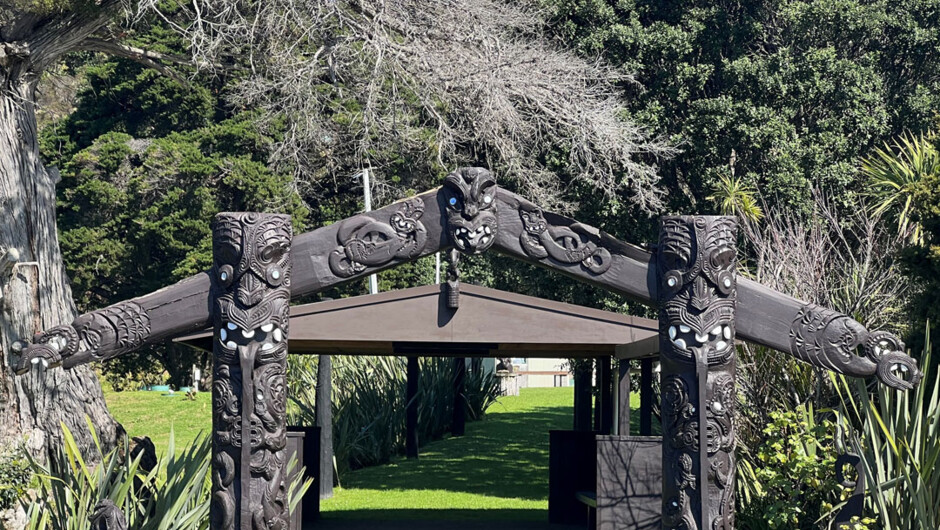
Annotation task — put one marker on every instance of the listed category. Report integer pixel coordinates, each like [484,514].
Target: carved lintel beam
[697,284]
[471,214]
[250,302]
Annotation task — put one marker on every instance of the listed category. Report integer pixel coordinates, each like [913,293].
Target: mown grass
[499,466]
[155,415]
[497,471]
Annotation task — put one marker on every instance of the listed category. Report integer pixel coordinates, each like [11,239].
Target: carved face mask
[252,256]
[699,312]
[470,196]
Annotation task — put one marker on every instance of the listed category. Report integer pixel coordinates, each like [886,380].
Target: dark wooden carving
[107,516]
[366,242]
[829,339]
[470,196]
[251,296]
[95,336]
[565,244]
[856,501]
[465,214]
[453,280]
[696,262]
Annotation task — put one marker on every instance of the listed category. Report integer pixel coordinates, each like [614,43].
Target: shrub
[789,481]
[15,475]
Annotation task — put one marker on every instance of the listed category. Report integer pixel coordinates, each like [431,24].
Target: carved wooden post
[697,289]
[250,301]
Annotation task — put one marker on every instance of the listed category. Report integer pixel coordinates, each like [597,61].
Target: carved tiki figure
[251,294]
[470,199]
[696,260]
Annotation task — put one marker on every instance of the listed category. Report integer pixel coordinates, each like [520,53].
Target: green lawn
[498,470]
[155,415]
[501,464]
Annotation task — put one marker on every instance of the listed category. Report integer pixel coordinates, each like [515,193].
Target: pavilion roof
[489,322]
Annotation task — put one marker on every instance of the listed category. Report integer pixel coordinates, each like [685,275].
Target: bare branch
[148,58]
[444,82]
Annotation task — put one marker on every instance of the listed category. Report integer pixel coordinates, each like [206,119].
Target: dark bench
[589,499]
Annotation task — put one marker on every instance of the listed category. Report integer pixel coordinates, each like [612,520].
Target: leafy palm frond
[894,172]
[734,197]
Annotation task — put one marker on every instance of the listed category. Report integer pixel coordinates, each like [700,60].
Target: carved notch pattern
[831,340]
[697,307]
[470,201]
[95,336]
[566,244]
[251,292]
[367,242]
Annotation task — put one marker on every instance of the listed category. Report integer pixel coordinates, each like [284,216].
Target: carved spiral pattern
[366,242]
[831,340]
[95,336]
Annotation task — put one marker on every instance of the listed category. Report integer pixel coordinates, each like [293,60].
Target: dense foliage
[166,492]
[923,261]
[786,95]
[15,475]
[789,481]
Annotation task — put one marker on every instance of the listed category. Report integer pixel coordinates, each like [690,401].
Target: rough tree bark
[36,293]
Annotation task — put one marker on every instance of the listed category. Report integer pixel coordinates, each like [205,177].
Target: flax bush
[897,435]
[173,495]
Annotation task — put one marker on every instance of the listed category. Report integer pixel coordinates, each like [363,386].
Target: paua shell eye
[274,275]
[673,280]
[726,282]
[452,201]
[225,275]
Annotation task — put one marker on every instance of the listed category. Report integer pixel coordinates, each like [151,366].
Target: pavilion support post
[603,418]
[323,411]
[411,412]
[646,397]
[696,281]
[458,425]
[582,394]
[250,301]
[623,397]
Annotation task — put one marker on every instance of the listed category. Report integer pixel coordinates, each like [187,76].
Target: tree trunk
[36,294]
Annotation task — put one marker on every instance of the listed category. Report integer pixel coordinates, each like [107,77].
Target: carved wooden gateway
[258,267]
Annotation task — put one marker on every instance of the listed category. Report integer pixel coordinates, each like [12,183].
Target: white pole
[437,267]
[367,196]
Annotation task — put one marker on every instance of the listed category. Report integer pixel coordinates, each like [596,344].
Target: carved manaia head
[831,340]
[252,256]
[697,306]
[470,196]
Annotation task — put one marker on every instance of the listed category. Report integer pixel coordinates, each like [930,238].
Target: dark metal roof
[489,322]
